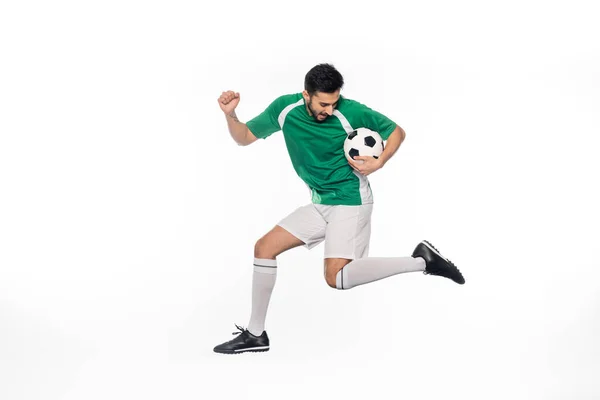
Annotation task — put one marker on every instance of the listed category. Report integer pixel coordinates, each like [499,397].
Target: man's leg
[346,274]
[346,250]
[266,251]
[347,246]
[305,226]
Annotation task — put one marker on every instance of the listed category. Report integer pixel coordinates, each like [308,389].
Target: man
[315,124]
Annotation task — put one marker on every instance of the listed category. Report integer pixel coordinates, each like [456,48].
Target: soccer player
[315,124]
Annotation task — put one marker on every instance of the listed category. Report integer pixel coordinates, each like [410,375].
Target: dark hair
[323,78]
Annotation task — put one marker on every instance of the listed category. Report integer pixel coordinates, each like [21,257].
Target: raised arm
[228,101]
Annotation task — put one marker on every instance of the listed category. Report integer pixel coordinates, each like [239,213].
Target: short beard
[314,114]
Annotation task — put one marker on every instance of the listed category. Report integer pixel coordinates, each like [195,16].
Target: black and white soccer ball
[363,142]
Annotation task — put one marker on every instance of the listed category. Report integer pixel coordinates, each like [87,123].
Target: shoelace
[241,330]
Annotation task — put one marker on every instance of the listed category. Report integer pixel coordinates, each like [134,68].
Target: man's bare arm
[392,144]
[239,131]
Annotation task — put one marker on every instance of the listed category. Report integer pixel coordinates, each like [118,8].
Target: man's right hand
[228,101]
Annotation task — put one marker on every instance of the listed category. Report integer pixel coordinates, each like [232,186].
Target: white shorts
[346,230]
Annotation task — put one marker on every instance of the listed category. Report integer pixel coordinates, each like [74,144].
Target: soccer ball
[363,142]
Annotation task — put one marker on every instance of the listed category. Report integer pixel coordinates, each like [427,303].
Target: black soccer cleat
[244,342]
[436,264]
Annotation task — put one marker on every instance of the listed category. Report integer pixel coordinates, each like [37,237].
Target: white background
[128,215]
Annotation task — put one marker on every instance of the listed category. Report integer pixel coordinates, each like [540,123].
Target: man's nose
[329,110]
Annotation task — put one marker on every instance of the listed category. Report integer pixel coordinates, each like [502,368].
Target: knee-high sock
[370,269]
[263,282]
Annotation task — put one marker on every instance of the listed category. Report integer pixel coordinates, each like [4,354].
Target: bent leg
[347,246]
[305,226]
[267,248]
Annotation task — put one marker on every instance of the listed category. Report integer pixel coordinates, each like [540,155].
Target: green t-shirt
[316,149]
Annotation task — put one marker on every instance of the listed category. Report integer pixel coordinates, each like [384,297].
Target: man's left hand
[365,164]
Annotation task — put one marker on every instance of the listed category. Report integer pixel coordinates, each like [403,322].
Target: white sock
[370,269]
[263,282]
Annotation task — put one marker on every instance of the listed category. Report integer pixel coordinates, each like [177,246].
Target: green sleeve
[265,124]
[373,120]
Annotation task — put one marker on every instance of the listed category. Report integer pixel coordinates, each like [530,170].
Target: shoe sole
[252,350]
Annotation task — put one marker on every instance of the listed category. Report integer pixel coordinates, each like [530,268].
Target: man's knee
[332,267]
[262,250]
[330,279]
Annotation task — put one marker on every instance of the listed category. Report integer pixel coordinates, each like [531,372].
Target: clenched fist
[228,101]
